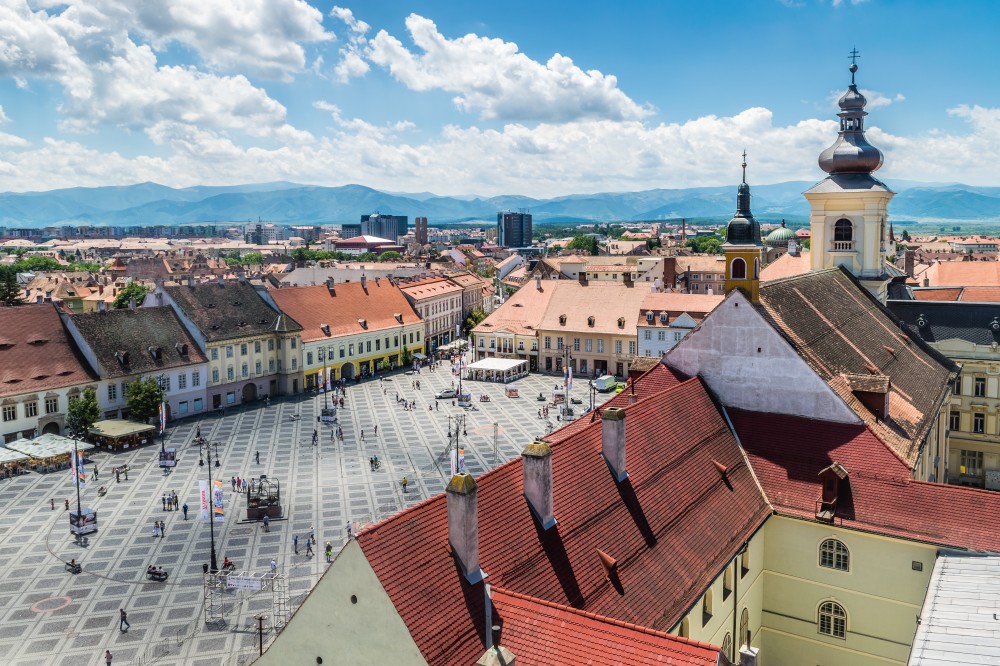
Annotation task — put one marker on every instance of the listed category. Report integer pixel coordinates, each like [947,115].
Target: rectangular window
[231,398]
[51,405]
[548,342]
[534,344]
[647,335]
[256,346]
[482,343]
[677,336]
[368,346]
[245,370]
[957,388]
[295,343]
[270,365]
[243,349]
[31,409]
[295,363]
[618,346]
[257,367]
[972,463]
[955,420]
[559,342]
[230,374]
[229,351]
[600,346]
[395,341]
[309,358]
[112,392]
[215,353]
[576,344]
[979,422]
[164,382]
[520,345]
[195,378]
[215,376]
[341,352]
[493,343]
[9,412]
[588,344]
[631,346]
[350,350]
[182,407]
[661,335]
[270,345]
[182,381]
[980,387]
[198,404]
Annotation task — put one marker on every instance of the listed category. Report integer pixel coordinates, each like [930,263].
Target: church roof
[839,329]
[672,526]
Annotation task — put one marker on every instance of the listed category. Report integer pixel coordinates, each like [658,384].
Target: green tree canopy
[143,398]
[37,263]
[367,256]
[705,244]
[806,242]
[473,320]
[10,290]
[252,259]
[586,243]
[135,290]
[390,255]
[83,413]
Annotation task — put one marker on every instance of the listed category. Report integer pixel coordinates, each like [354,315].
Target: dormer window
[590,321]
[649,316]
[663,317]
[154,352]
[181,348]
[363,323]
[621,322]
[562,320]
[325,328]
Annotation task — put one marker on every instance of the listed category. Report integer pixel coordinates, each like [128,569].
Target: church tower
[743,248]
[848,209]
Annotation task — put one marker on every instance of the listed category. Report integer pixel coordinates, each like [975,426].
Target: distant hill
[284,203]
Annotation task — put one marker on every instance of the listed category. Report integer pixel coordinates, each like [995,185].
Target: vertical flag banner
[217,508]
[76,469]
[163,417]
[461,459]
[203,496]
[329,377]
[569,379]
[454,461]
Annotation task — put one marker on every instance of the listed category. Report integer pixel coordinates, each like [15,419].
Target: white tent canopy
[47,446]
[494,369]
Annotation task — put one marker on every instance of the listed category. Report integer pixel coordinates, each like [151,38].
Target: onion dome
[851,153]
[743,229]
[780,236]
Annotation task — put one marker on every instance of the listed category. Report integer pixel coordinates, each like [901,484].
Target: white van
[605,383]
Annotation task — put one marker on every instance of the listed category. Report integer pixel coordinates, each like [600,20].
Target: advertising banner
[243,583]
[203,497]
[84,522]
[168,458]
[217,508]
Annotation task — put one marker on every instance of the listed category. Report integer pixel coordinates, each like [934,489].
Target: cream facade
[360,354]
[438,301]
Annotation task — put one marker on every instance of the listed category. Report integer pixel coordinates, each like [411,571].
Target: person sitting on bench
[73,567]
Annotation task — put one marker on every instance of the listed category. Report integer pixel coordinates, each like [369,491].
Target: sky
[541,98]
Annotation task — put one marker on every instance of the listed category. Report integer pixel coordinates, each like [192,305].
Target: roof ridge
[604,618]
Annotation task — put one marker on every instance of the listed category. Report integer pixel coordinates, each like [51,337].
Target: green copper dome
[780,236]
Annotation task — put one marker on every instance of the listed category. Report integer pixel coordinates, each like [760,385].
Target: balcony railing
[843,246]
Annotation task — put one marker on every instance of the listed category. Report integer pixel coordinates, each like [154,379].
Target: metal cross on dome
[854,55]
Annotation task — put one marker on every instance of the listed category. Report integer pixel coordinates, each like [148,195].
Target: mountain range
[291,203]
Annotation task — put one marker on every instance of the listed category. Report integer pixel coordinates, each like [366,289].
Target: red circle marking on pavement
[41,606]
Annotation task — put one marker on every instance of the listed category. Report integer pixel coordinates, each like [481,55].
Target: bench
[159,576]
[73,568]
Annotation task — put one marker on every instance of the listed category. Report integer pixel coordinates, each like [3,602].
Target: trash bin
[204,567]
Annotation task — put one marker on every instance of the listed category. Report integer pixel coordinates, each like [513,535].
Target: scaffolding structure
[221,586]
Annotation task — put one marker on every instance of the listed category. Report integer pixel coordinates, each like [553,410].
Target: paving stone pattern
[52,617]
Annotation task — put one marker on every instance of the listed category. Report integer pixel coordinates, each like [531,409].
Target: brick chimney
[613,441]
[536,464]
[909,259]
[463,524]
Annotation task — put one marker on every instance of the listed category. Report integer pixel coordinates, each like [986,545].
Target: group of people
[154,570]
[239,485]
[374,463]
[159,529]
[310,540]
[170,501]
[228,565]
[543,413]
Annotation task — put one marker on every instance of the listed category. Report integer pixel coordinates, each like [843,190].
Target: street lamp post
[211,502]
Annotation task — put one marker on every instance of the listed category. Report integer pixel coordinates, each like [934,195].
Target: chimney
[927,282]
[909,259]
[364,282]
[538,282]
[330,287]
[613,441]
[536,464]
[497,656]
[191,280]
[102,306]
[463,524]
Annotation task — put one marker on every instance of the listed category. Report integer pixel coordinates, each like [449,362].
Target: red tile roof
[655,524]
[547,634]
[377,304]
[36,352]
[787,454]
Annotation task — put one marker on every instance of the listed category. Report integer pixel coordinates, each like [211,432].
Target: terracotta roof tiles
[36,352]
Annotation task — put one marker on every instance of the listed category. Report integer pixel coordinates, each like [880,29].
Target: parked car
[445,394]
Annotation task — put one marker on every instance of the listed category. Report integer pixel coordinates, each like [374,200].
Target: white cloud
[875,98]
[352,62]
[493,77]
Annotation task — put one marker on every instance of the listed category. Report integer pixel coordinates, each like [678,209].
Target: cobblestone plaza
[53,617]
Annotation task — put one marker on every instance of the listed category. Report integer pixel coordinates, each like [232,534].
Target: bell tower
[848,209]
[743,248]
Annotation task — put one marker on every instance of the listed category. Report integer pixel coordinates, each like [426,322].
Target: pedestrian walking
[404,484]
[118,478]
[258,457]
[197,432]
[176,501]
[348,530]
[309,548]
[329,551]
[312,534]
[376,430]
[295,542]
[163,529]
[267,523]
[238,485]
[164,500]
[362,435]
[108,657]
[95,472]
[185,509]
[274,565]
[232,482]
[156,529]
[123,624]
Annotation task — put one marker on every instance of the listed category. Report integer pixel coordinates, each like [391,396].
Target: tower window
[738,269]
[843,234]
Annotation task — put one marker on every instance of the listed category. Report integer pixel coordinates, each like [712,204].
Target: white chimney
[463,524]
[613,441]
[536,464]
[364,282]
[538,282]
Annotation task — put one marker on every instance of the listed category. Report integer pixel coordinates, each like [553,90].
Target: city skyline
[521,99]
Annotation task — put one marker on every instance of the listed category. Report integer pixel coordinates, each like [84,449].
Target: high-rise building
[390,227]
[420,230]
[514,229]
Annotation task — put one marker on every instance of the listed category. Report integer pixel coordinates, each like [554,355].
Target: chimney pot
[536,465]
[613,441]
[463,524]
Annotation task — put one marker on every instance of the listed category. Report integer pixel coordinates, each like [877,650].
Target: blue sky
[540,98]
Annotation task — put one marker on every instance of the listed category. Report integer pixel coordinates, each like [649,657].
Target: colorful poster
[203,496]
[163,417]
[461,459]
[217,508]
[76,469]
[329,377]
[84,522]
[454,462]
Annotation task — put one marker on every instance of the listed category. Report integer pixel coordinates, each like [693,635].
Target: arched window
[833,554]
[727,583]
[685,630]
[756,269]
[738,269]
[727,646]
[744,636]
[832,619]
[843,231]
[706,607]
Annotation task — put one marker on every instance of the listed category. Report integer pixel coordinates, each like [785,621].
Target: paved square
[50,616]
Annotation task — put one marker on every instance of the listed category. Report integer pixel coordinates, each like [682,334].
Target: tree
[705,244]
[806,242]
[10,290]
[367,256]
[300,255]
[473,320]
[390,255]
[83,413]
[586,243]
[35,264]
[143,398]
[133,290]
[252,259]
[407,358]
[905,236]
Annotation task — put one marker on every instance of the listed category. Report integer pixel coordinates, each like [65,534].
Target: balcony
[843,246]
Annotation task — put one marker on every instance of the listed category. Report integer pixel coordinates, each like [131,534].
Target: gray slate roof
[936,321]
[958,624]
[227,311]
[140,341]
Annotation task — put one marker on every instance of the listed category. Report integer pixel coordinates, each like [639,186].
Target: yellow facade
[348,355]
[270,362]
[745,276]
